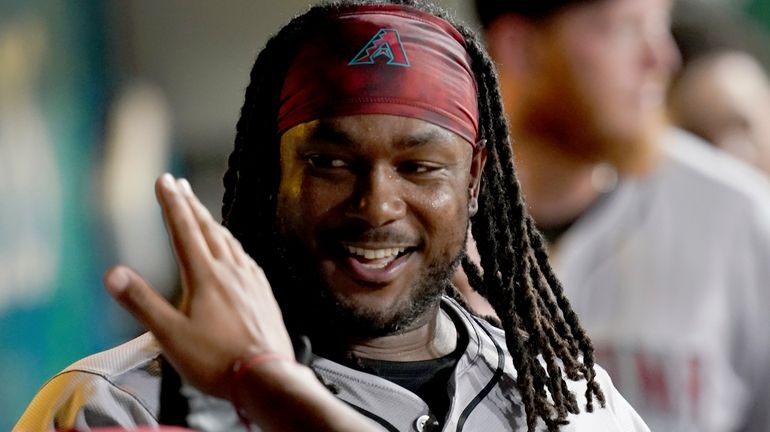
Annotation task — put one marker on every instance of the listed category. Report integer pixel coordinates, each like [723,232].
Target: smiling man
[370,137]
[367,201]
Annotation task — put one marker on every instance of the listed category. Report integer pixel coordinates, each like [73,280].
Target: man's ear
[510,40]
[477,168]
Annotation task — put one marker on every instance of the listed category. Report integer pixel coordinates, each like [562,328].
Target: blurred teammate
[662,243]
[724,97]
[722,91]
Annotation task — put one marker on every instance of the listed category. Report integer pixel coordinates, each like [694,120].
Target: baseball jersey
[670,275]
[121,387]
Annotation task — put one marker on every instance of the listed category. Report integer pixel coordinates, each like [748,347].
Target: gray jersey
[671,277]
[122,386]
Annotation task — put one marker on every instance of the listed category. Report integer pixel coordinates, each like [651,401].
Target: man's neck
[435,338]
[558,187]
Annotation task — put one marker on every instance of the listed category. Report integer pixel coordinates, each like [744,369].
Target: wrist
[287,396]
[260,371]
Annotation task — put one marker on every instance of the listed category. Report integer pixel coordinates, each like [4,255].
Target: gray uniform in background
[670,276]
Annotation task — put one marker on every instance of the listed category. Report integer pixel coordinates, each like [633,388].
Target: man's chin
[366,317]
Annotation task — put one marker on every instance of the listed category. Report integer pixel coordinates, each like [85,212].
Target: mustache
[370,235]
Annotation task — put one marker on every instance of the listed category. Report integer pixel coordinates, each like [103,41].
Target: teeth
[376,266]
[374,253]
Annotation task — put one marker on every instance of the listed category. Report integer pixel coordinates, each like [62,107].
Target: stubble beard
[568,120]
[310,305]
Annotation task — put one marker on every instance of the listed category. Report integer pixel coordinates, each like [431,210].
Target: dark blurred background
[97,98]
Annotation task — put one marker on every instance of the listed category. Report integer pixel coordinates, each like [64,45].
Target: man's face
[378,205]
[602,73]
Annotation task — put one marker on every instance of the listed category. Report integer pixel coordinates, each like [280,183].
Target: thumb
[142,301]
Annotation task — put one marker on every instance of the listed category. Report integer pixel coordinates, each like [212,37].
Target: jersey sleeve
[83,400]
[118,387]
[616,416]
[624,415]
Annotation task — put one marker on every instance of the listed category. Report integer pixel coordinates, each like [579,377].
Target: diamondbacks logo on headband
[386,43]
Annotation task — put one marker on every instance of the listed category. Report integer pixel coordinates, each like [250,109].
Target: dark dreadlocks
[542,332]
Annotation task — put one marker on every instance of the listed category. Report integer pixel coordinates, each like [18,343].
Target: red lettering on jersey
[653,381]
[694,384]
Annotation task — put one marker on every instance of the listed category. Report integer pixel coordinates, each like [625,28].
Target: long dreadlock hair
[543,334]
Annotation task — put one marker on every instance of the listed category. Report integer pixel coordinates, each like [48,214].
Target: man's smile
[374,264]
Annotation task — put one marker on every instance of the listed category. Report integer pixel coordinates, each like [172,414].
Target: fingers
[221,242]
[196,226]
[190,247]
[143,302]
[213,232]
[236,251]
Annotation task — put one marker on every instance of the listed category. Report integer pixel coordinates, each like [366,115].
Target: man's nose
[379,199]
[660,50]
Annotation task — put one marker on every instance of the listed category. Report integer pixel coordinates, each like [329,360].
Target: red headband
[382,59]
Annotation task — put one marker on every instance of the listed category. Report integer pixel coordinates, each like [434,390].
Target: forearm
[285,396]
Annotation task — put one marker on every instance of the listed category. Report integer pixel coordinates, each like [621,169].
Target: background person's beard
[581,126]
[578,131]
[311,307]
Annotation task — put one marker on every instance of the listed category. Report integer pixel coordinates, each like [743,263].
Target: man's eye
[321,161]
[418,167]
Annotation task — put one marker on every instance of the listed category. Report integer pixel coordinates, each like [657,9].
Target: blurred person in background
[724,98]
[722,92]
[662,243]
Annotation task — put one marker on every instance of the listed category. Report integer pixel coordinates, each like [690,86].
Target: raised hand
[228,316]
[228,311]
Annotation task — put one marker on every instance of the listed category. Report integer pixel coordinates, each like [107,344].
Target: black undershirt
[428,379]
